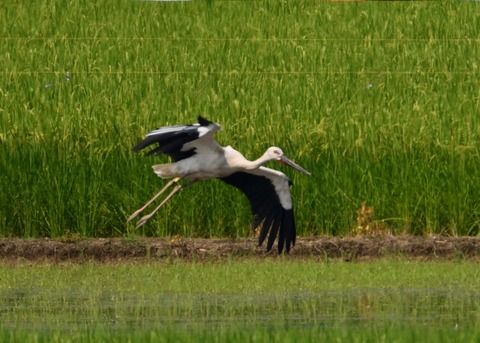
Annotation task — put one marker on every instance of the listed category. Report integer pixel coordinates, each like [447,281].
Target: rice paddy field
[241,301]
[379,100]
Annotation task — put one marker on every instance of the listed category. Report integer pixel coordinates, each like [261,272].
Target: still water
[34,309]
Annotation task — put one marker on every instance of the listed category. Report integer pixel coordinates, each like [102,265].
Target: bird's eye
[276,152]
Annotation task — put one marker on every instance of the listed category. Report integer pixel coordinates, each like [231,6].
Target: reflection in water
[33,309]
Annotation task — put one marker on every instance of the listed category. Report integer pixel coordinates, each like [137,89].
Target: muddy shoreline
[158,249]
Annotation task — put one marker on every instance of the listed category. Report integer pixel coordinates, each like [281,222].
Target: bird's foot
[143,220]
[133,216]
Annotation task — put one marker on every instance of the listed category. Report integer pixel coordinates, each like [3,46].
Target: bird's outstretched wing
[268,191]
[173,140]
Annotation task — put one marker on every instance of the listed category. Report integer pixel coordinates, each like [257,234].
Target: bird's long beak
[289,162]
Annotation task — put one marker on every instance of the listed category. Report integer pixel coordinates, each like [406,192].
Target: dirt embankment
[15,250]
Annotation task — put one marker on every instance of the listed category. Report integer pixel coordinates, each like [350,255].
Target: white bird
[198,156]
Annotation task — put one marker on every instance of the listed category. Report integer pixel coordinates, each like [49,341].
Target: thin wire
[239,39]
[231,73]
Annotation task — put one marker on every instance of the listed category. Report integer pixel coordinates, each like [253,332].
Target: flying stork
[197,156]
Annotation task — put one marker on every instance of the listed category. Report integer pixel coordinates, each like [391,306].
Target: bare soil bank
[16,250]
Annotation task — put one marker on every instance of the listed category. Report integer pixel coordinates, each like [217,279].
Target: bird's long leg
[140,210]
[177,188]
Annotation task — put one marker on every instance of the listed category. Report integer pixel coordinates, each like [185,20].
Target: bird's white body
[197,156]
[206,164]
[217,162]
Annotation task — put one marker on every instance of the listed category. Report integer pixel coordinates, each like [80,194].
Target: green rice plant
[238,301]
[378,100]
[256,335]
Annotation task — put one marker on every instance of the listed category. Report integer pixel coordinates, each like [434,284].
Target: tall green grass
[378,100]
[240,335]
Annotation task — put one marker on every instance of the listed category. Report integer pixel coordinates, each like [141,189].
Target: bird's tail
[164,170]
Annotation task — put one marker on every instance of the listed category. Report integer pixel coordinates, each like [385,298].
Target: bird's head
[276,154]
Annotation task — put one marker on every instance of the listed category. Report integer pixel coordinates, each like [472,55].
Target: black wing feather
[267,224]
[290,220]
[276,226]
[171,139]
[266,209]
[282,234]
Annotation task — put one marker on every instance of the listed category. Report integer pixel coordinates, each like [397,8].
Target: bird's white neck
[252,165]
[237,160]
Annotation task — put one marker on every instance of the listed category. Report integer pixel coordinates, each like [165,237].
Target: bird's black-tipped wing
[270,201]
[172,139]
